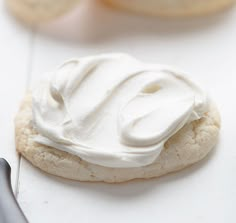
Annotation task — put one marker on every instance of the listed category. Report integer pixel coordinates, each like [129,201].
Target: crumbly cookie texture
[191,144]
[171,7]
[36,11]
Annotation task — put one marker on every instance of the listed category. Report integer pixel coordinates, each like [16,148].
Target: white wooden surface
[15,47]
[205,192]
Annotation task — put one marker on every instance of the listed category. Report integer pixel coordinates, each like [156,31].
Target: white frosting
[113,110]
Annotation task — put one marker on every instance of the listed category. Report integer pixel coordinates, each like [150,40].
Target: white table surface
[206,48]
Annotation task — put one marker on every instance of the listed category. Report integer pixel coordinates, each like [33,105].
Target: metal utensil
[10,211]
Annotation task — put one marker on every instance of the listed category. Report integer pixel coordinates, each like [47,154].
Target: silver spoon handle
[10,211]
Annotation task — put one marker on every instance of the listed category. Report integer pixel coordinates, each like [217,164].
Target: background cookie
[192,143]
[33,11]
[172,7]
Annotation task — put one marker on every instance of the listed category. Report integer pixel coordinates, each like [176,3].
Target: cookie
[113,118]
[171,8]
[37,11]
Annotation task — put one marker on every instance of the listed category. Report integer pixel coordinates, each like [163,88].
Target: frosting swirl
[113,110]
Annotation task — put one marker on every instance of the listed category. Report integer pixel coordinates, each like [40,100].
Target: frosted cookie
[171,7]
[36,11]
[113,118]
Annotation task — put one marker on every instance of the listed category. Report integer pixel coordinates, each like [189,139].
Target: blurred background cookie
[171,7]
[36,11]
